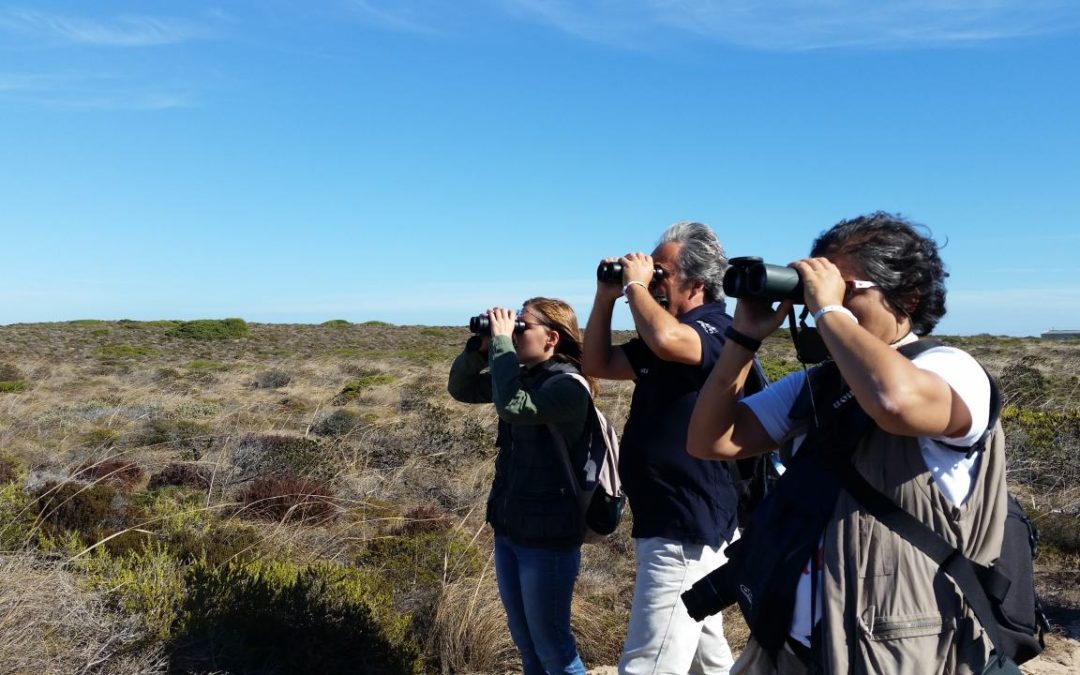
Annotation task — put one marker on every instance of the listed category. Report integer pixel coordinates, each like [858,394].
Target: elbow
[670,345]
[711,451]
[589,369]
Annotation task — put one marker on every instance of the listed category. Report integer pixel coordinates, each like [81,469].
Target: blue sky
[418,161]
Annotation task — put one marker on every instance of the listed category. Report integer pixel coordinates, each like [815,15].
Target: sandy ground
[1062,657]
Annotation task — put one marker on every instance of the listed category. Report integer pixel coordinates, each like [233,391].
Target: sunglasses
[857,285]
[539,319]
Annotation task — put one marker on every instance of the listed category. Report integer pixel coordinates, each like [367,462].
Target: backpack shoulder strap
[968,575]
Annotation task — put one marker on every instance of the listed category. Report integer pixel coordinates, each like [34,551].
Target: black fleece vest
[531,498]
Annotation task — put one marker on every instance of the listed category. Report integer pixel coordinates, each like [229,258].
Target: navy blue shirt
[672,494]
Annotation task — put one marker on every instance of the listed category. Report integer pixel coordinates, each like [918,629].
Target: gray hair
[701,257]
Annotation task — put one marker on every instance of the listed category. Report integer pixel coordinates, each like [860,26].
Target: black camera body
[481,325]
[611,272]
[751,277]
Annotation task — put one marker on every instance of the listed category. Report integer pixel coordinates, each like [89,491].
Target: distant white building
[1061,335]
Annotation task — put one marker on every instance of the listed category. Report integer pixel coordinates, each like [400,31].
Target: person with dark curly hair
[869,600]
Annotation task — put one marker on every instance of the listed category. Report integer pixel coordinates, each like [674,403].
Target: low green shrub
[11,386]
[777,368]
[100,437]
[147,583]
[376,323]
[321,618]
[281,455]
[87,322]
[354,388]
[1042,446]
[211,329]
[86,510]
[219,543]
[422,553]
[337,323]
[18,517]
[205,365]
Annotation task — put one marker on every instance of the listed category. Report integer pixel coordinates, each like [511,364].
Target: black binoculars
[481,325]
[611,272]
[751,277]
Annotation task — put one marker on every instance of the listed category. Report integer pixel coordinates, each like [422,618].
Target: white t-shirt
[952,470]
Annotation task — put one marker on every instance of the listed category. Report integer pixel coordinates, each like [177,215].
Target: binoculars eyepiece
[751,277]
[481,325]
[611,272]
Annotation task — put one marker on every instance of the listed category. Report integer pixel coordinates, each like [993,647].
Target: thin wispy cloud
[407,17]
[801,25]
[91,91]
[120,31]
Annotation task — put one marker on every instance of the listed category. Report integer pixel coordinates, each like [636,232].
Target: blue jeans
[536,585]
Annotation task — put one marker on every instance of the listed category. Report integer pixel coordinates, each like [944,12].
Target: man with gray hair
[684,508]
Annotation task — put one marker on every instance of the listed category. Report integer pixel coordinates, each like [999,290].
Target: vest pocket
[915,644]
[895,627]
[879,546]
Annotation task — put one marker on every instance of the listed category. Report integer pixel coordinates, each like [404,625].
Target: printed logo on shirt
[643,371]
[708,327]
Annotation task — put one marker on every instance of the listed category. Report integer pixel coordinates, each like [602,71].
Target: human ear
[552,339]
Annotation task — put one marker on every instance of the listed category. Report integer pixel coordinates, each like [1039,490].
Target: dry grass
[357,418]
[50,625]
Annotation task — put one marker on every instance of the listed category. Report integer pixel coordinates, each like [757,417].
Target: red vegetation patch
[424,518]
[288,499]
[116,472]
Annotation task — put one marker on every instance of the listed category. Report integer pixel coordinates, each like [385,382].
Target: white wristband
[833,308]
[633,283]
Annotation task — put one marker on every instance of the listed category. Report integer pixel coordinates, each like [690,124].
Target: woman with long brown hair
[530,368]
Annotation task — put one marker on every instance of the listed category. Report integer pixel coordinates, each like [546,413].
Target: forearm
[596,346]
[899,396]
[467,381]
[666,336]
[714,431]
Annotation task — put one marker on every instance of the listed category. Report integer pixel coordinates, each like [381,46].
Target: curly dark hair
[895,254]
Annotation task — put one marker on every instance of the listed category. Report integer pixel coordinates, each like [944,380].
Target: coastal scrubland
[225,497]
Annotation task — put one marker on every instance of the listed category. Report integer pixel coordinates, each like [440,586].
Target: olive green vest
[887,609]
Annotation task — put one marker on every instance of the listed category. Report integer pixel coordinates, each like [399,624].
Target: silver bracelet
[633,283]
[833,308]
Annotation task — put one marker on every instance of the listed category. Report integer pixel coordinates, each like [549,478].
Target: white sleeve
[968,379]
[954,471]
[772,404]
